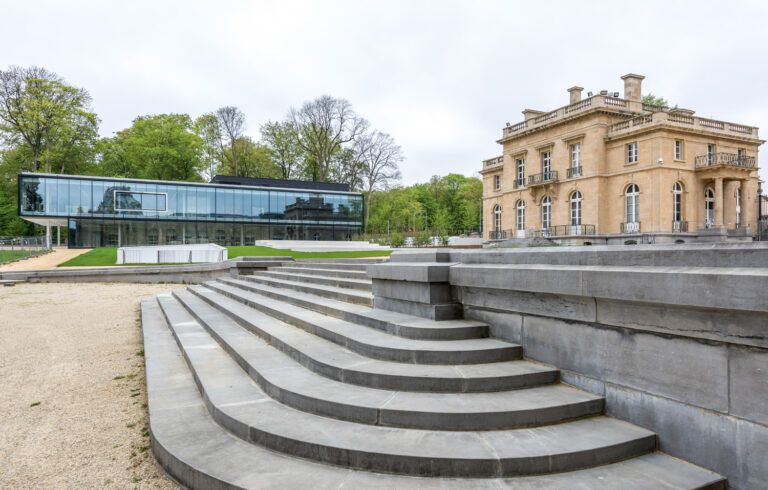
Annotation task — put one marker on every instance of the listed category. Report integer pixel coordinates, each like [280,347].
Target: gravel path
[45,261]
[73,407]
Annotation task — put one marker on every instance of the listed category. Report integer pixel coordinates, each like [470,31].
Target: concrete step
[325,264]
[321,272]
[374,343]
[400,324]
[288,382]
[357,284]
[198,453]
[336,362]
[341,294]
[354,260]
[239,405]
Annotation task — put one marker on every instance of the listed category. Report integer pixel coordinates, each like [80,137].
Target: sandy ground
[72,387]
[46,261]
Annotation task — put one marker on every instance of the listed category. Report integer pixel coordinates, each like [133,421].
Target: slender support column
[740,215]
[58,236]
[719,202]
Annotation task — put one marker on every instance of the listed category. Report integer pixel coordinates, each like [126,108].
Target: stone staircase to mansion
[289,378]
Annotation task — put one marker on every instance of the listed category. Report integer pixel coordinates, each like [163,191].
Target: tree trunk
[367,209]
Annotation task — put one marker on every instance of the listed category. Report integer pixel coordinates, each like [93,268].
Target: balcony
[518,183]
[631,227]
[727,159]
[680,226]
[562,230]
[573,172]
[543,178]
[497,235]
[492,162]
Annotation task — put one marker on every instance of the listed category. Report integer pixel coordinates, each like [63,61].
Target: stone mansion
[605,169]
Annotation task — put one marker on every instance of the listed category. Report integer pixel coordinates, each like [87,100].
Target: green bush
[396,240]
[443,239]
[424,238]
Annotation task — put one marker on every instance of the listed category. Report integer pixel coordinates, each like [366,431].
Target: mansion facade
[605,169]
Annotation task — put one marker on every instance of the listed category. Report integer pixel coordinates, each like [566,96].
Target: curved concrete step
[198,453]
[288,382]
[357,284]
[351,260]
[237,403]
[374,343]
[400,324]
[336,362]
[341,266]
[341,294]
[320,272]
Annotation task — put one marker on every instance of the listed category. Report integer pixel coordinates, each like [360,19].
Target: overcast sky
[441,77]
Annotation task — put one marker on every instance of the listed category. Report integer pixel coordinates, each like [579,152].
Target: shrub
[424,238]
[396,240]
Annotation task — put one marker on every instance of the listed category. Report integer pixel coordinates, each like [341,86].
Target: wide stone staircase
[288,378]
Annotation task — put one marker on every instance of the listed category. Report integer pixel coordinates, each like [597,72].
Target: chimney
[633,87]
[530,113]
[575,94]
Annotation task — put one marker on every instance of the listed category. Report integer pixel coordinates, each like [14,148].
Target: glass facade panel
[118,212]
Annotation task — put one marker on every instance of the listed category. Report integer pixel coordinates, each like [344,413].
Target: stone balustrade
[682,121]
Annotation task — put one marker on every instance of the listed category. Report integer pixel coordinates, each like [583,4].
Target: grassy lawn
[7,255]
[108,255]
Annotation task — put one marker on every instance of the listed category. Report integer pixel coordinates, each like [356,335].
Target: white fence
[172,254]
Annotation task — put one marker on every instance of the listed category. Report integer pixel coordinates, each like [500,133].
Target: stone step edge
[339,294]
[424,330]
[460,383]
[339,282]
[495,352]
[381,414]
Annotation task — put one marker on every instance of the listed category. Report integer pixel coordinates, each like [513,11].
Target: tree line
[48,125]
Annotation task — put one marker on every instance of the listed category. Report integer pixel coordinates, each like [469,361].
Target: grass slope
[108,255]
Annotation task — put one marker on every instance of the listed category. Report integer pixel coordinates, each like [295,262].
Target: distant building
[605,169]
[100,211]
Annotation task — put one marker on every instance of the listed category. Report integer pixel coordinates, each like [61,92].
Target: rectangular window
[546,162]
[710,154]
[678,150]
[520,172]
[632,153]
[741,154]
[576,155]
[497,182]
[139,201]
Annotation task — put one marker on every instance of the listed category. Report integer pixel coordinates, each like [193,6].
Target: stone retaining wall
[675,337]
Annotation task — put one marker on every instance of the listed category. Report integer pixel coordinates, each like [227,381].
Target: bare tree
[379,156]
[232,122]
[323,126]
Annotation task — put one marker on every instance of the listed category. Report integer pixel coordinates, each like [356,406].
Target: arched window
[632,202]
[709,208]
[521,219]
[677,205]
[497,217]
[546,212]
[576,209]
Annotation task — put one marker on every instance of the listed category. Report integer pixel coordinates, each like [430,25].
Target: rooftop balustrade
[493,161]
[651,114]
[680,120]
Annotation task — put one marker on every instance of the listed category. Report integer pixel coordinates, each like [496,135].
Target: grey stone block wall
[675,336]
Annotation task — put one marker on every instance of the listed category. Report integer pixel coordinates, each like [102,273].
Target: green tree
[160,147]
[280,140]
[208,129]
[651,99]
[53,119]
[254,160]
